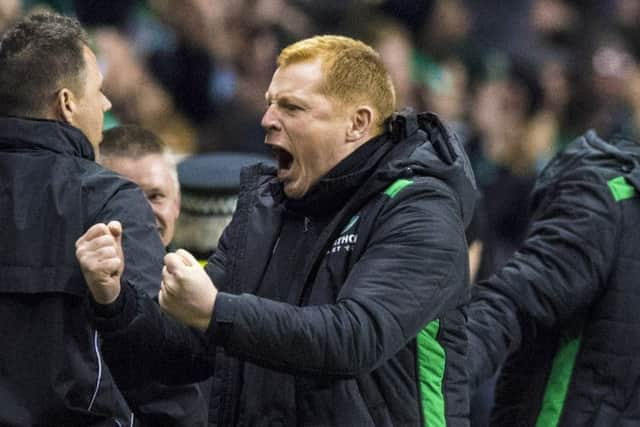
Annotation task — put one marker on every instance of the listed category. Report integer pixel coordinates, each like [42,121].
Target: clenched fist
[187,293]
[99,252]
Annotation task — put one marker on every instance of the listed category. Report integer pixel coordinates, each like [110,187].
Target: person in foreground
[51,190]
[335,296]
[562,313]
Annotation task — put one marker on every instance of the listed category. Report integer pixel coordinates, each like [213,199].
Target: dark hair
[39,55]
[130,141]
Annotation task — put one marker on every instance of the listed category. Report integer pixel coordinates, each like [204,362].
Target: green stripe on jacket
[396,187]
[558,383]
[621,189]
[431,366]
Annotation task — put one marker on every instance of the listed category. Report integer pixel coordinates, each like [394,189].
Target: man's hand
[99,252]
[187,293]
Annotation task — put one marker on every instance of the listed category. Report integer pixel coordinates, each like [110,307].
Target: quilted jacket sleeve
[413,269]
[560,269]
[172,353]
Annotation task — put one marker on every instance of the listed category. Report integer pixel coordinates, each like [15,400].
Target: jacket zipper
[99,379]
[95,347]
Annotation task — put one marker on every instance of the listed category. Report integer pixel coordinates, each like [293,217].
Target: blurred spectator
[446,30]
[236,126]
[136,95]
[610,63]
[9,13]
[554,20]
[141,156]
[207,40]
[557,75]
[504,105]
[395,45]
[626,20]
[443,88]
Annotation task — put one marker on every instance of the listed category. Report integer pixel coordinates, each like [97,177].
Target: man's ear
[65,105]
[178,201]
[360,124]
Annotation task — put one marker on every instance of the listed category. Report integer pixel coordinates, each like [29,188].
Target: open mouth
[284,158]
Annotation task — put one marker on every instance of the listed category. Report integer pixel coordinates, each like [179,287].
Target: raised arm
[412,271]
[132,325]
[559,270]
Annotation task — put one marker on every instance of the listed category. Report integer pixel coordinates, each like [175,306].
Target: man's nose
[158,214]
[269,120]
[106,104]
[157,211]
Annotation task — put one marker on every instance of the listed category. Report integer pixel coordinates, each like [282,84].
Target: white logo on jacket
[345,242]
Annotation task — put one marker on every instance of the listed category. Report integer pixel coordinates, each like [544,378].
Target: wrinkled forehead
[297,78]
[139,163]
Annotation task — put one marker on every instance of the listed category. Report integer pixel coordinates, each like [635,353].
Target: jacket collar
[42,134]
[332,191]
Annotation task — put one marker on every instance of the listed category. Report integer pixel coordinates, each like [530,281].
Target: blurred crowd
[516,80]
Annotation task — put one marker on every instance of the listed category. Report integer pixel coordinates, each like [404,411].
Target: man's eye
[291,107]
[154,197]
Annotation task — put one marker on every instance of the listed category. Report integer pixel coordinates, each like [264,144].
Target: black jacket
[369,331]
[565,307]
[51,192]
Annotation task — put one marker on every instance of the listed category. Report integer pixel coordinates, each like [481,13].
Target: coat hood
[427,148]
[621,153]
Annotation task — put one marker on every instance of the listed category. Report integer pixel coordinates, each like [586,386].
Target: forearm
[558,272]
[315,340]
[339,340]
[492,331]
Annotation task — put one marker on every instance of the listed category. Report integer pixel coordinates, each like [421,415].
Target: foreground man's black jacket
[566,306]
[365,328]
[51,191]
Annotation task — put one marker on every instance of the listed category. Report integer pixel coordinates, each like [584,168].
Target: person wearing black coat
[335,296]
[562,313]
[52,371]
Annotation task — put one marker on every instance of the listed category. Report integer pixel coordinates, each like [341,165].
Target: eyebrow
[153,189]
[291,99]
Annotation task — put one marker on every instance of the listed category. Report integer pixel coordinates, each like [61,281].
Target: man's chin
[292,191]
